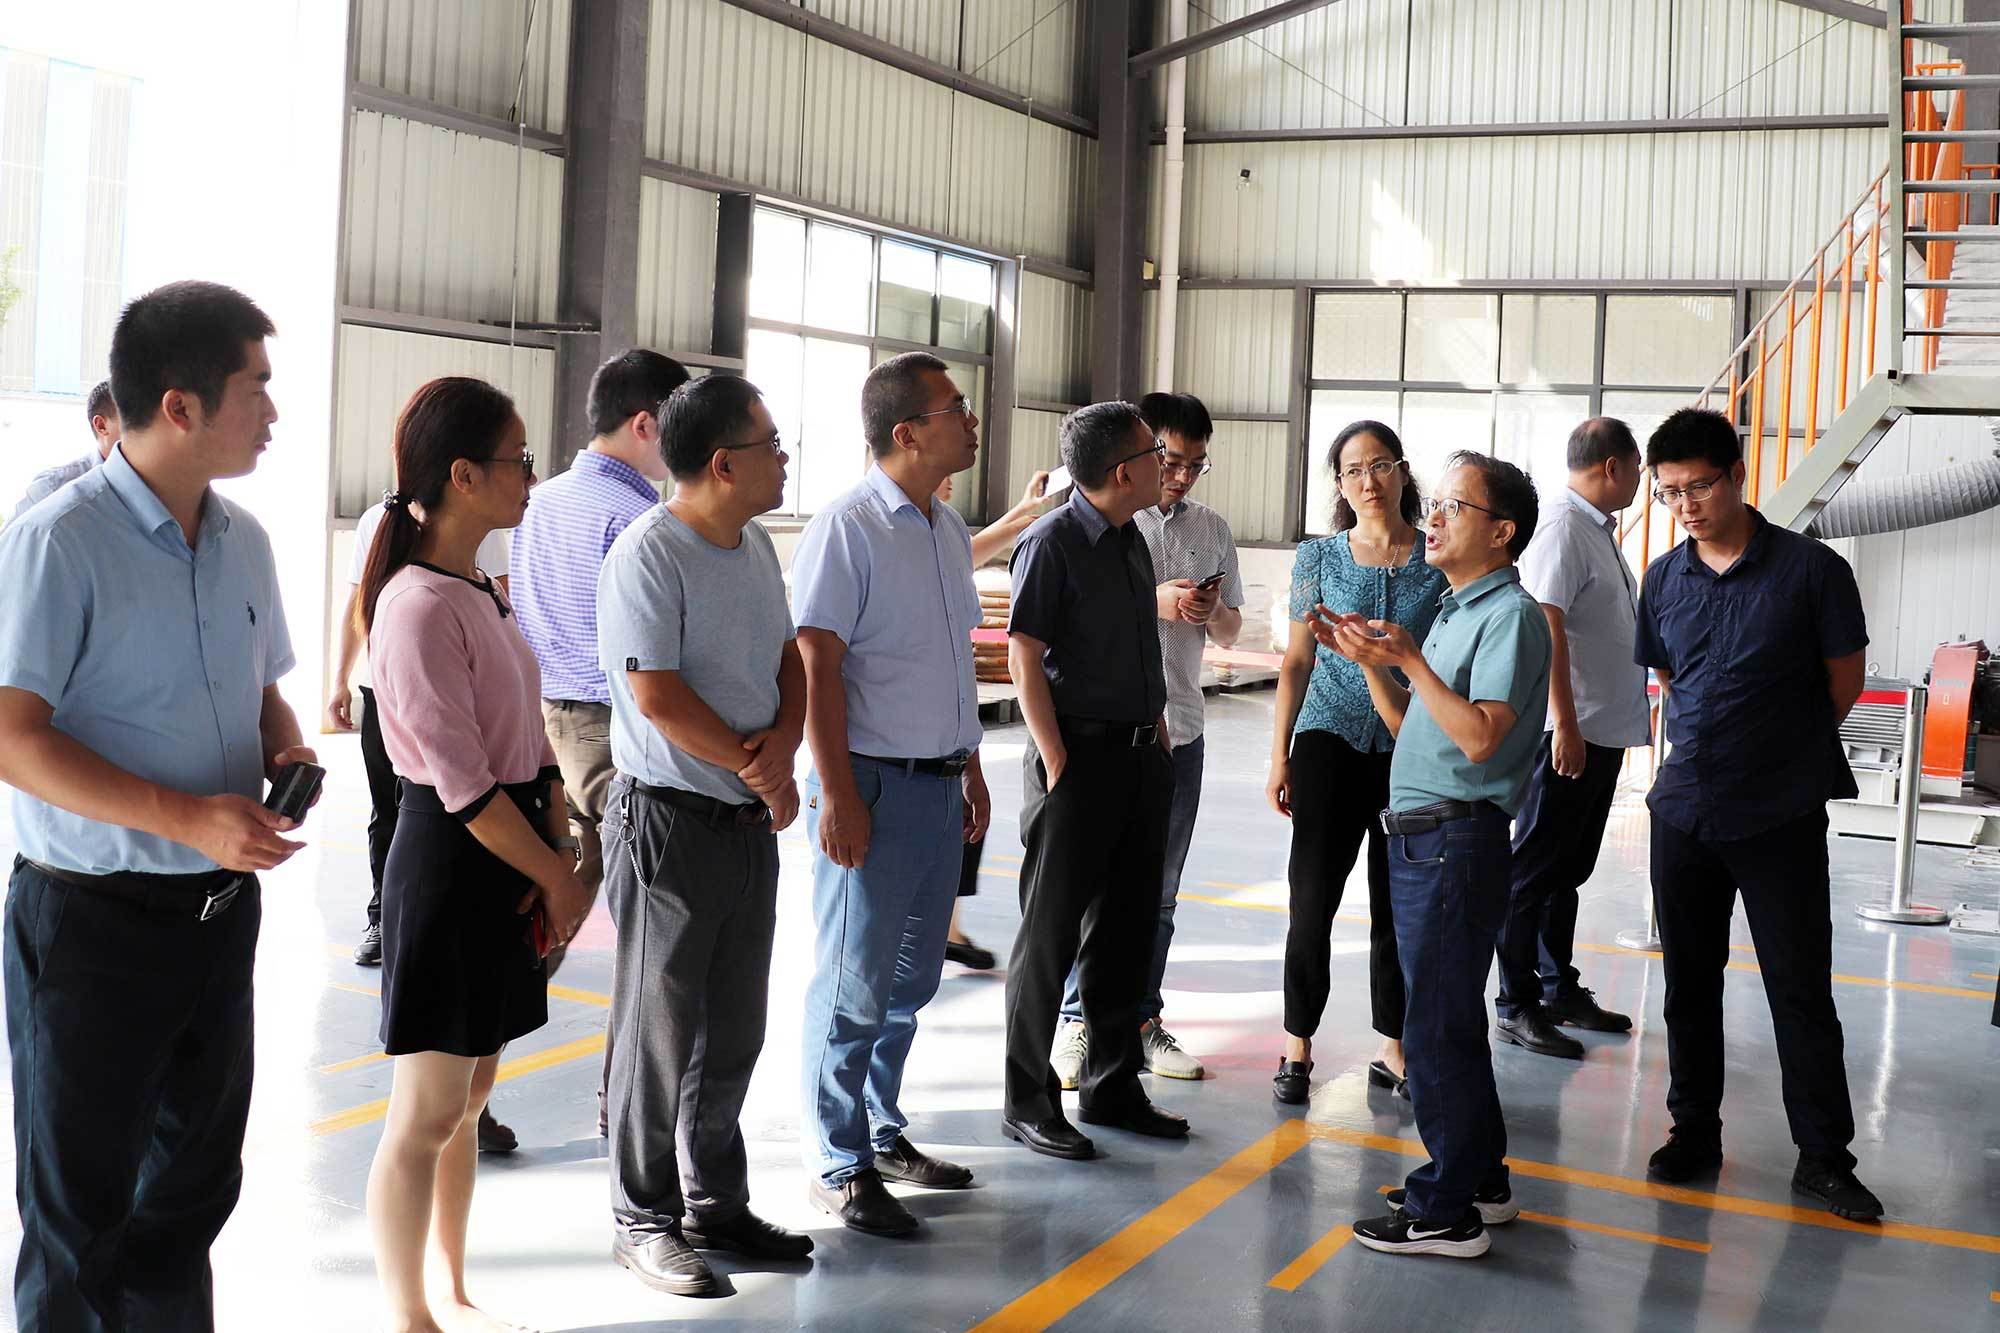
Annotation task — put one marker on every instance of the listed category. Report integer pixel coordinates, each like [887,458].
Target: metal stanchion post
[1909,793]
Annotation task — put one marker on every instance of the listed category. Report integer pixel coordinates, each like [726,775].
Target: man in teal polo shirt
[1467,726]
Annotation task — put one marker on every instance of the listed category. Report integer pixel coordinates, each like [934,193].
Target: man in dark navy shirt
[1756,635]
[1084,650]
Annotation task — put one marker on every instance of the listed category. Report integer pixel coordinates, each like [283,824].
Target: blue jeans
[881,931]
[1180,832]
[1449,891]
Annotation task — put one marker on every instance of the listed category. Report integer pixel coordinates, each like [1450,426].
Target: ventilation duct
[1895,504]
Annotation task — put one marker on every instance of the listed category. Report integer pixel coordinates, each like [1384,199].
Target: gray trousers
[695,903]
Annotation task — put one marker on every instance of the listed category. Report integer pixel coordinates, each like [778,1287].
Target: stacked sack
[989,660]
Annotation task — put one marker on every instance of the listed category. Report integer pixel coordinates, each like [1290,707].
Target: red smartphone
[538,931]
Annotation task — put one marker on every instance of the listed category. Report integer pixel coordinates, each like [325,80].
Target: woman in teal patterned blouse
[1330,751]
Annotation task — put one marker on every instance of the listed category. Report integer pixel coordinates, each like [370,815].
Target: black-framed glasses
[1671,496]
[525,461]
[1158,451]
[1194,471]
[1452,506]
[960,405]
[1379,470]
[773,442]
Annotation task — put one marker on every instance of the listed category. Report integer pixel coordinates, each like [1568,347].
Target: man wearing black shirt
[1084,651]
[1756,634]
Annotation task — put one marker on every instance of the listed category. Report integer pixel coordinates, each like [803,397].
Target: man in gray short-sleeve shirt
[708,707]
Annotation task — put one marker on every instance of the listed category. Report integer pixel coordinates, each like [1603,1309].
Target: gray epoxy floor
[1192,1235]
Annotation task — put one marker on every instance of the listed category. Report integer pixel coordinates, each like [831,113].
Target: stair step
[1926,32]
[1963,234]
[1950,285]
[1989,185]
[1937,83]
[1950,136]
[1952,333]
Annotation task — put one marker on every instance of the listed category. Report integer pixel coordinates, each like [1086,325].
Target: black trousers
[382,803]
[1556,838]
[1338,793]
[1782,876]
[1090,895]
[129,1030]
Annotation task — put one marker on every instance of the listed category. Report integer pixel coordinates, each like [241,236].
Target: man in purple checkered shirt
[558,548]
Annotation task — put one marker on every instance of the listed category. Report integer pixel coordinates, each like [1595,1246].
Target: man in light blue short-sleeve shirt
[708,706]
[886,609]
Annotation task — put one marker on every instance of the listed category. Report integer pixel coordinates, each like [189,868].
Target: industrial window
[1507,372]
[828,302]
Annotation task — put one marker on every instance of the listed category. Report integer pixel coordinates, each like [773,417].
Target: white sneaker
[1066,1056]
[1164,1055]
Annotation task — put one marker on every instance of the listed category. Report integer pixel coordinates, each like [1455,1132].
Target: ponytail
[445,420]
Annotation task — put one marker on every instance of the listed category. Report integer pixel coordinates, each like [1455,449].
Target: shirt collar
[592,460]
[1095,524]
[892,496]
[147,509]
[1481,586]
[1589,510]
[1760,539]
[1178,508]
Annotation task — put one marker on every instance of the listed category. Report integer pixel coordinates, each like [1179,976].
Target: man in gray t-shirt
[708,706]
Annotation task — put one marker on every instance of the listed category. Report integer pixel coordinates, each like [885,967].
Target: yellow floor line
[1054,1299]
[354,989]
[1718,1203]
[1921,987]
[369,1113]
[1599,1229]
[1986,976]
[1187,897]
[372,1058]
[1298,1270]
[580,996]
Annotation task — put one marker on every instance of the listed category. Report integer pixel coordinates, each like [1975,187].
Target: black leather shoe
[1292,1085]
[1836,1187]
[1383,1077]
[967,954]
[665,1263]
[748,1234]
[1141,1118]
[1531,1031]
[1683,1158]
[1054,1137]
[903,1162]
[494,1136]
[1582,1010]
[863,1204]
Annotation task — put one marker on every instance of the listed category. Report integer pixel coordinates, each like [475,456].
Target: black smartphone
[294,790]
[1211,581]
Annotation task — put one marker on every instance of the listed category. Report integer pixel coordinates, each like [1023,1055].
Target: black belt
[206,896]
[1118,733]
[1427,818]
[755,814]
[950,766]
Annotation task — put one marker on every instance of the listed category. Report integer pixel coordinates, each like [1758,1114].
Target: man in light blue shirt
[886,608]
[1597,710]
[707,711]
[102,413]
[1467,727]
[141,642]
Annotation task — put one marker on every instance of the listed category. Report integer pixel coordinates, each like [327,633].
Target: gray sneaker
[1164,1055]
[1066,1056]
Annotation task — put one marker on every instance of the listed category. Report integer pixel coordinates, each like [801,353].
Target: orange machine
[1948,721]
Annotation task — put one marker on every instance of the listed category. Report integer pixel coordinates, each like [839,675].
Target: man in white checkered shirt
[1191,545]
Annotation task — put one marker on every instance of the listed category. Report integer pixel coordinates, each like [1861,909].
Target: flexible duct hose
[1863,508]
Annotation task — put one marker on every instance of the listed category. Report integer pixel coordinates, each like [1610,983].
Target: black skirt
[459,971]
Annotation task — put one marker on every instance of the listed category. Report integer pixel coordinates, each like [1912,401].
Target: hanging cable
[520,119]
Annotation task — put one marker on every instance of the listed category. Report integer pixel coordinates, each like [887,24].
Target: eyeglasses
[1452,505]
[1379,470]
[526,462]
[959,405]
[771,442]
[1672,496]
[1192,471]
[1158,451]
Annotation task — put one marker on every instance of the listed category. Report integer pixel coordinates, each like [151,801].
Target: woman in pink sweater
[478,882]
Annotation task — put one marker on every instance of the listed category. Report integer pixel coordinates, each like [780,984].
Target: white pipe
[1170,203]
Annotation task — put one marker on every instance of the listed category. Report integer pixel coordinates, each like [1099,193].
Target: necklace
[1393,565]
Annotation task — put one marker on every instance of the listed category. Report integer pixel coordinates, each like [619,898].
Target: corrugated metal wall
[1053,363]
[1232,349]
[1929,585]
[1247,485]
[430,222]
[1597,207]
[467,54]
[380,369]
[1031,47]
[676,266]
[739,96]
